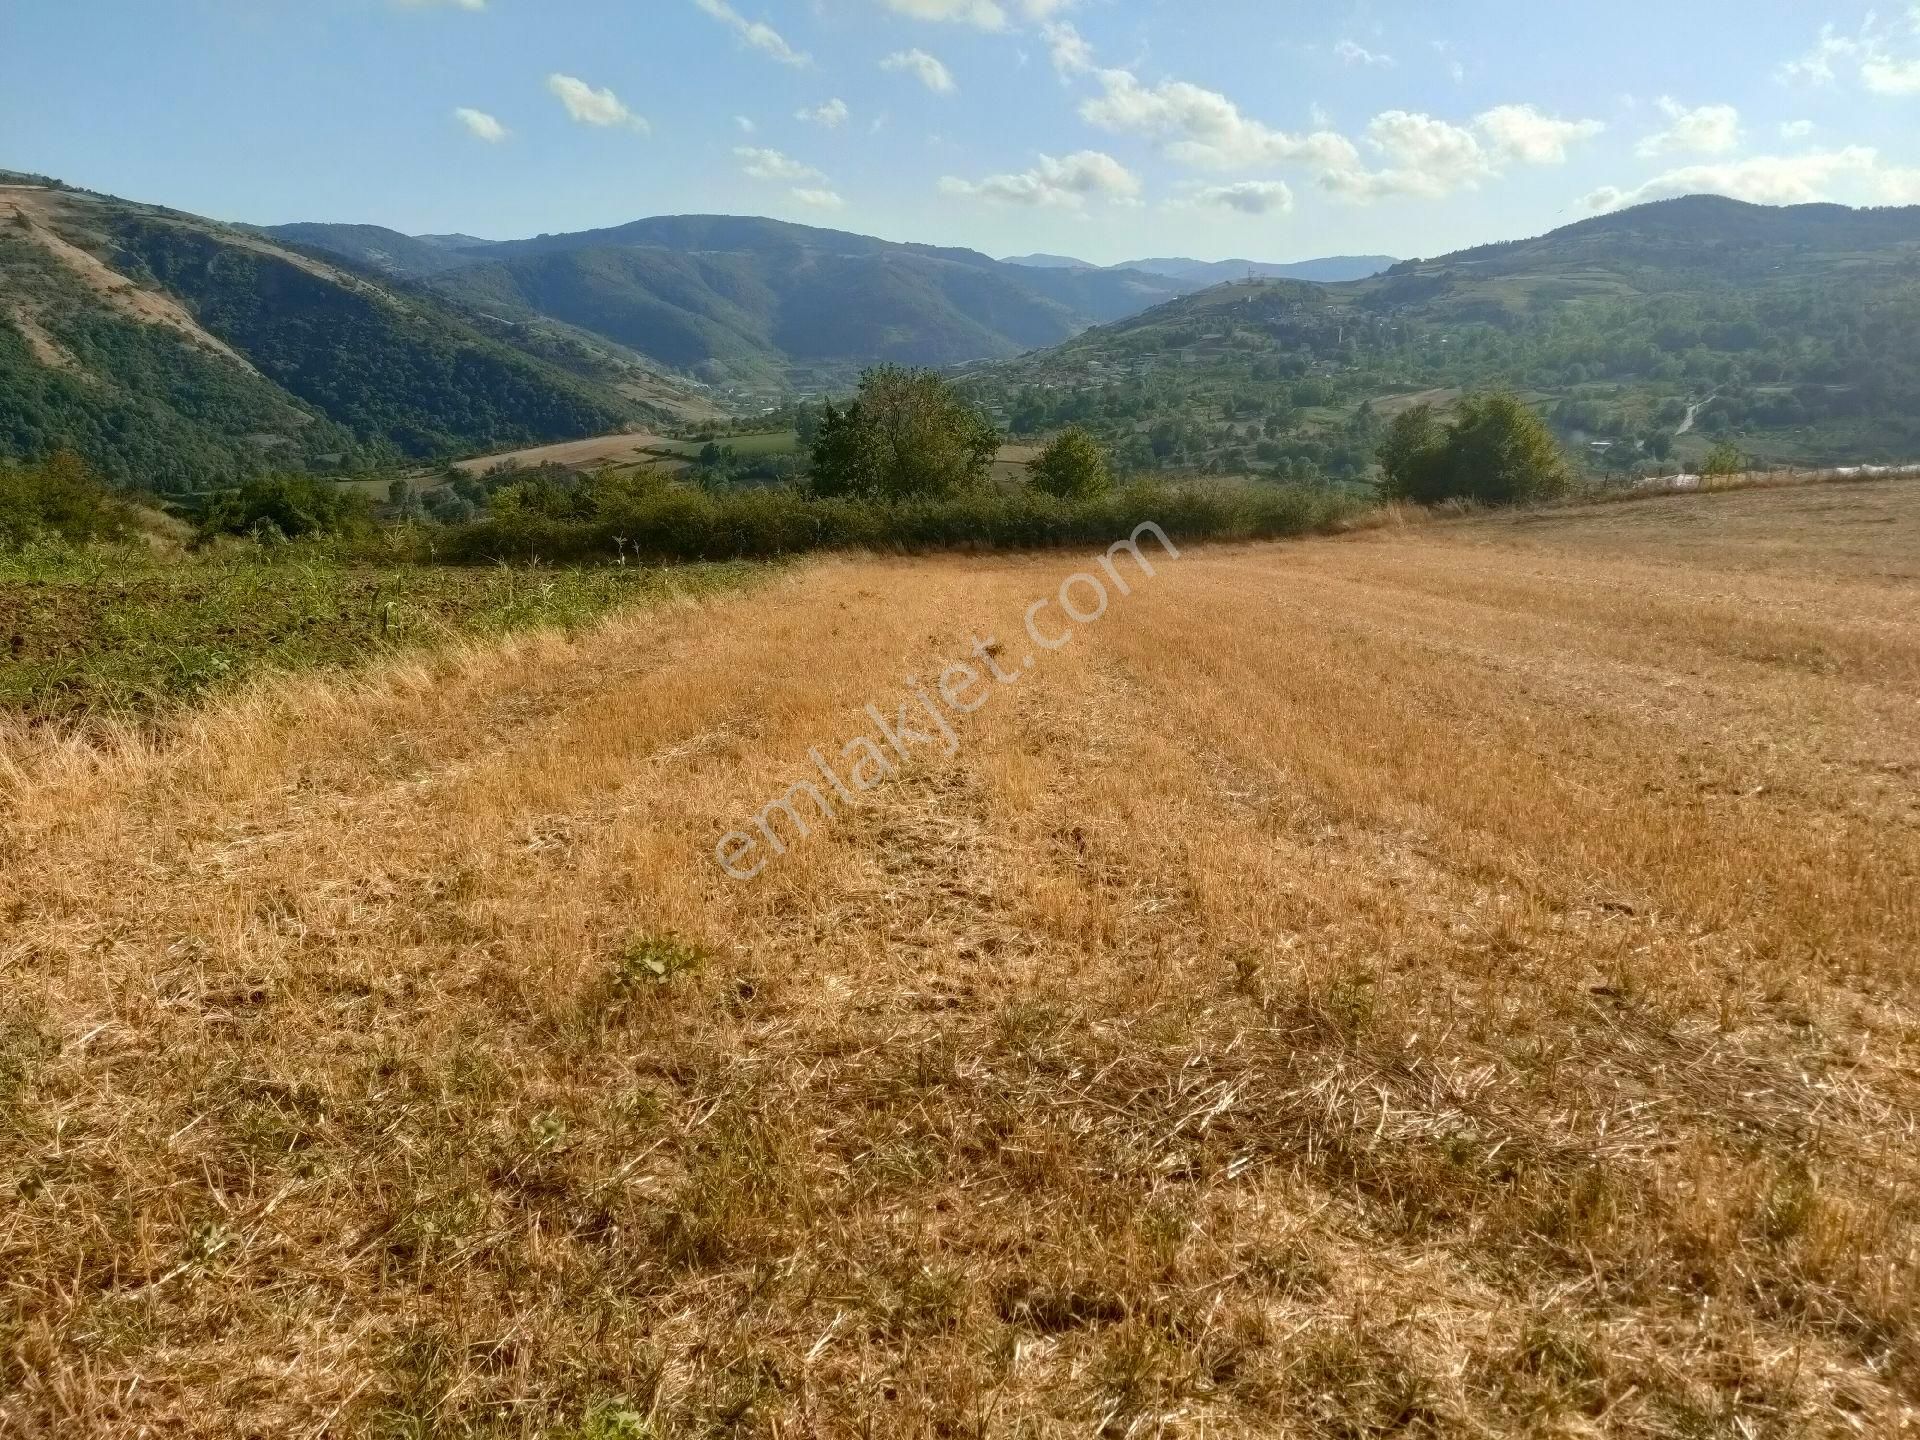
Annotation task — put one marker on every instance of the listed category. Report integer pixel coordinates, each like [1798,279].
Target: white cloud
[593,107]
[984,14]
[981,14]
[1796,129]
[1761,179]
[760,36]
[929,71]
[1355,53]
[1816,67]
[1070,52]
[1701,130]
[744,125]
[1883,55]
[1066,184]
[1424,156]
[481,125]
[763,164]
[1249,197]
[1527,136]
[819,199]
[1204,129]
[1885,75]
[832,115]
[1430,159]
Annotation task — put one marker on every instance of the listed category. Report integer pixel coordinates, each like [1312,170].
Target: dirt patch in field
[626,448]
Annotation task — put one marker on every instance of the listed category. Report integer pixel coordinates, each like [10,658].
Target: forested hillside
[180,354]
[757,304]
[1647,335]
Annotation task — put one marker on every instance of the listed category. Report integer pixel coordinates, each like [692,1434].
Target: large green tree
[906,435]
[1494,450]
[1073,467]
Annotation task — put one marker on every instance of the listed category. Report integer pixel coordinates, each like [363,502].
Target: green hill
[179,353]
[756,303]
[1794,332]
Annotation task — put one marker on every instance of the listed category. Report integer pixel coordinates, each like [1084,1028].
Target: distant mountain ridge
[1331,269]
[747,302]
[1793,332]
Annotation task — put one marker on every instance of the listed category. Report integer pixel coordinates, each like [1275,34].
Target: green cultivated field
[94,637]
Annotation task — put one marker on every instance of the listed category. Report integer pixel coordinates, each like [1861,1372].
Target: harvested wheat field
[1452,980]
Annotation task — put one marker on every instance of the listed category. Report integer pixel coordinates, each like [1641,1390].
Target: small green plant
[651,961]
[1725,459]
[614,1419]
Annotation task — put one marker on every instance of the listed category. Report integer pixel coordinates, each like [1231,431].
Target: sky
[1103,129]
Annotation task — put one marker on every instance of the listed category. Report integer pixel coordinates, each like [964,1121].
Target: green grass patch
[112,634]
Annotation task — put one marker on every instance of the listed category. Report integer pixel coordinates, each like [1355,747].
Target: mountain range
[1791,331]
[755,305]
[179,352]
[1332,269]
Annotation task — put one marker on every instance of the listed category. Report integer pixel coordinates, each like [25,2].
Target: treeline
[607,518]
[904,464]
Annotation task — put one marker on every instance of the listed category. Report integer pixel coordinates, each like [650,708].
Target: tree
[1495,450]
[906,435]
[1725,459]
[1410,453]
[1073,467]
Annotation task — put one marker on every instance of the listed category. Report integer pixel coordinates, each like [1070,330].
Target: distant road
[1693,412]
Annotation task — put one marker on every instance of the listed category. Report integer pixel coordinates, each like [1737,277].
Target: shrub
[675,523]
[58,499]
[288,508]
[1073,467]
[1495,450]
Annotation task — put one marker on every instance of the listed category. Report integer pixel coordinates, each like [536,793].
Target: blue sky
[1110,129]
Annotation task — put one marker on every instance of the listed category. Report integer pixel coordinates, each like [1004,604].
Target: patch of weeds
[1790,1205]
[1555,1364]
[422,1370]
[1290,1270]
[616,1418]
[1054,1308]
[270,1122]
[925,1302]
[743,1192]
[650,962]
[432,1228]
[1353,1384]
[1137,1371]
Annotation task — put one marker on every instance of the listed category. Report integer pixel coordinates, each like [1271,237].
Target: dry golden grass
[1452,980]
